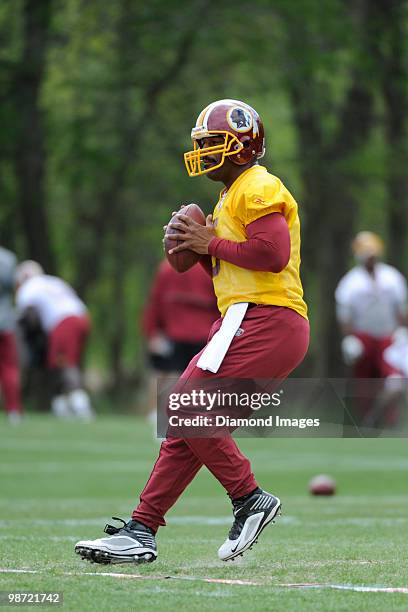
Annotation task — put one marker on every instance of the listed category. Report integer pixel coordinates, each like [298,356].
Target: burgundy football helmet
[241,127]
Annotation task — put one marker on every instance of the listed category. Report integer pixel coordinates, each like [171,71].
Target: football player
[177,317]
[371,302]
[251,244]
[50,302]
[9,365]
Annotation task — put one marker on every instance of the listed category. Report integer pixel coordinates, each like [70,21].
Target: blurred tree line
[97,103]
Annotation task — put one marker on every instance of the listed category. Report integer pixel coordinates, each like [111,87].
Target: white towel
[216,349]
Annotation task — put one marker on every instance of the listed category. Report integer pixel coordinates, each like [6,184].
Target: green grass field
[61,482]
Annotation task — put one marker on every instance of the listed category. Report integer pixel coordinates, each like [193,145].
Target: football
[183,260]
[322,485]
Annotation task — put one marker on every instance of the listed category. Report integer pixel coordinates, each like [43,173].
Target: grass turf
[61,482]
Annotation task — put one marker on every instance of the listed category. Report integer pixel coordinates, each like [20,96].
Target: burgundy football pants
[273,343]
[66,342]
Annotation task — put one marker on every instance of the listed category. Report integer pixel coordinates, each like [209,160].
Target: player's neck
[370,268]
[235,173]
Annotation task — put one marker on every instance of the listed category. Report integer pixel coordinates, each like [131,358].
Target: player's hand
[159,344]
[352,349]
[174,212]
[194,236]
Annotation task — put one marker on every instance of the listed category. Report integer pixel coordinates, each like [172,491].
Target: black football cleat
[131,543]
[252,515]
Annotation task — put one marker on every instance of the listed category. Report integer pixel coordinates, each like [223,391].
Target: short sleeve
[401,293]
[267,198]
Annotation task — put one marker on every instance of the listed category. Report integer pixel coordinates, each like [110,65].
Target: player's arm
[152,318]
[344,317]
[29,320]
[402,300]
[152,312]
[343,296]
[403,316]
[7,275]
[266,250]
[352,347]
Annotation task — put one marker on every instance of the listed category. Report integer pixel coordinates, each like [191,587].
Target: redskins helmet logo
[239,119]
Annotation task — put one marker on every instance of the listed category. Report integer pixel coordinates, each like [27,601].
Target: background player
[371,301]
[176,322]
[254,244]
[9,365]
[65,320]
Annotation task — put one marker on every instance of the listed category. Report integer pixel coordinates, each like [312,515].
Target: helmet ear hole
[246,153]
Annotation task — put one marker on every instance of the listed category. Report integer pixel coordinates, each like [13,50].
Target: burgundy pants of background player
[9,372]
[274,341]
[66,342]
[373,365]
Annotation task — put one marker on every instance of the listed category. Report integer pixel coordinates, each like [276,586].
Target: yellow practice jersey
[256,193]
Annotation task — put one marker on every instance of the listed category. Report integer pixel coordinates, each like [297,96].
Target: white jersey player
[64,318]
[371,304]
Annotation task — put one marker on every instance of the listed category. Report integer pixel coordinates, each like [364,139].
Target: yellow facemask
[194,159]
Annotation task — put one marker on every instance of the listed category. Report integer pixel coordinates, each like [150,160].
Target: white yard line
[362,521]
[56,467]
[32,538]
[310,461]
[101,521]
[118,575]
[136,576]
[348,587]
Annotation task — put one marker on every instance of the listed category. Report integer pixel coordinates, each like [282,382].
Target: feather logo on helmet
[239,119]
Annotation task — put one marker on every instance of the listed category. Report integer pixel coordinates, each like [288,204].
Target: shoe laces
[239,521]
[236,529]
[240,517]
